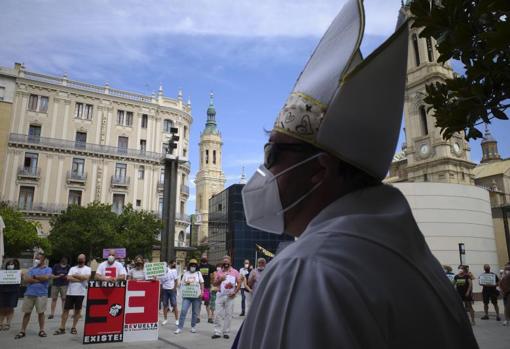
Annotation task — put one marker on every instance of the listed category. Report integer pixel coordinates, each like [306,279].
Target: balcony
[55,144]
[184,190]
[30,173]
[76,177]
[41,209]
[182,217]
[120,182]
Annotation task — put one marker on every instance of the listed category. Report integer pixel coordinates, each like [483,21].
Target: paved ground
[490,335]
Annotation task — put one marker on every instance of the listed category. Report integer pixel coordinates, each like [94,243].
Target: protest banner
[141,319]
[154,269]
[9,277]
[120,252]
[104,317]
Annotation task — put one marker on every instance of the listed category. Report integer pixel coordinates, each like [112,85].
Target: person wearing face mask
[192,288]
[245,289]
[36,295]
[489,282]
[78,277]
[110,269]
[256,275]
[137,273]
[8,298]
[207,270]
[228,280]
[464,286]
[169,285]
[331,146]
[59,287]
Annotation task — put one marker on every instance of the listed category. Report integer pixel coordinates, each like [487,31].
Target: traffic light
[172,142]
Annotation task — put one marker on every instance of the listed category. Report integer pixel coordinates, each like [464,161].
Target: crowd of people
[214,286]
[493,286]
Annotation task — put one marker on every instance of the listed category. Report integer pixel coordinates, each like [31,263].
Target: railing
[182,217]
[81,146]
[29,172]
[186,164]
[120,181]
[76,176]
[184,189]
[42,208]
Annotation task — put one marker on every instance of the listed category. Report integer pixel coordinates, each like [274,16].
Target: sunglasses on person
[273,150]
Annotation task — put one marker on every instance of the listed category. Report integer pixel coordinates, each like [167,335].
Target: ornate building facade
[71,142]
[210,178]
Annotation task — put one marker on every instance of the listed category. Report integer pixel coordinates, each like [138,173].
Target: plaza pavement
[489,333]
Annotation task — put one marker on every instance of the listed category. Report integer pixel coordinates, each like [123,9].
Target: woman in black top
[464,286]
[8,298]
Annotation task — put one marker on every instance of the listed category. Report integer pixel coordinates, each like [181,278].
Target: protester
[229,282]
[8,298]
[137,272]
[59,287]
[214,290]
[78,277]
[245,289]
[207,270]
[449,273]
[110,270]
[464,287]
[192,287]
[169,284]
[36,294]
[489,282]
[504,285]
[256,275]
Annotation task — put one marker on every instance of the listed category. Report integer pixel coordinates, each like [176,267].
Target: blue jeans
[195,308]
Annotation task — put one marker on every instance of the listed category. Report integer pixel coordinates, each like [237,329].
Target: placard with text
[141,319]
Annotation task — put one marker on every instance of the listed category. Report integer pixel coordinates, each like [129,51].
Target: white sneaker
[193,330]
[505,323]
[177,331]
[176,322]
[164,322]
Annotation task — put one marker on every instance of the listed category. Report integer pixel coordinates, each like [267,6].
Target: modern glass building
[229,233]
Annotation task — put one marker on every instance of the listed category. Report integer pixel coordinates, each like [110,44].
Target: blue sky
[248,52]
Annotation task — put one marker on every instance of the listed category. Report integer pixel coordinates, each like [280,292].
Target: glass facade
[229,233]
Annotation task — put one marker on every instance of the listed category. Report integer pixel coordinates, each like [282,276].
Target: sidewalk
[489,333]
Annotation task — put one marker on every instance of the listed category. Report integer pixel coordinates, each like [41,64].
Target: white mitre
[347,106]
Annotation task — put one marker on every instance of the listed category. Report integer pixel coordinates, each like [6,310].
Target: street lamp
[462,253]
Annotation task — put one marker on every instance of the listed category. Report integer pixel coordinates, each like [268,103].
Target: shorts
[490,295]
[212,302]
[9,299]
[56,290]
[73,302]
[29,302]
[169,295]
[206,296]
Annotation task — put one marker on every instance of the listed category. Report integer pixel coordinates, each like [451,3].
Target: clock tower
[429,156]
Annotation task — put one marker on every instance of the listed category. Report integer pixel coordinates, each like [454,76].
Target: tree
[20,234]
[476,33]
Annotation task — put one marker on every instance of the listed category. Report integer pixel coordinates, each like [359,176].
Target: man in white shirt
[111,270]
[78,277]
[169,284]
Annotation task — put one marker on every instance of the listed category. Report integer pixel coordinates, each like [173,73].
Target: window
[118,203]
[430,51]
[81,139]
[423,121]
[138,203]
[83,111]
[26,198]
[38,103]
[120,117]
[30,163]
[88,111]
[185,131]
[425,178]
[141,172]
[162,176]
[184,152]
[143,145]
[416,49]
[164,148]
[120,172]
[78,167]
[34,133]
[167,125]
[214,156]
[124,118]
[74,197]
[182,207]
[207,156]
[2,93]
[129,118]
[122,144]
[145,120]
[160,206]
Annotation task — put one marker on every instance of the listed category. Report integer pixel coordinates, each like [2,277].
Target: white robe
[360,276]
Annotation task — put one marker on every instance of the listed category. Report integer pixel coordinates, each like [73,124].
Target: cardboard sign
[104,317]
[142,306]
[120,252]
[154,269]
[487,279]
[10,277]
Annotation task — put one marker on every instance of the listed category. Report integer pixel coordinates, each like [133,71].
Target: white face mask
[36,262]
[10,267]
[261,199]
[192,269]
[111,259]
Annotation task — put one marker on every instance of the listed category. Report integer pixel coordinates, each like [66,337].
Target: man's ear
[328,168]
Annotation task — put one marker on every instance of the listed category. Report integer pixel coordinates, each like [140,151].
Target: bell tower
[210,179]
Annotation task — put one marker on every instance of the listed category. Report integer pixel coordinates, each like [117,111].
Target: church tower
[429,156]
[210,179]
[489,144]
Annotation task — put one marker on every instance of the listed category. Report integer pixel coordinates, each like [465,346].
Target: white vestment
[360,276]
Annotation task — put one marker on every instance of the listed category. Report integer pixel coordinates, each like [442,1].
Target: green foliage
[19,234]
[476,33]
[92,228]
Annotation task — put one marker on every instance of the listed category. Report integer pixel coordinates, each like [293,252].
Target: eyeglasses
[272,151]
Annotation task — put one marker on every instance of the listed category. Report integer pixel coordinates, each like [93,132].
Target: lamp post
[462,253]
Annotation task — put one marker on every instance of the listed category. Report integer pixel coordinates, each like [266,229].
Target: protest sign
[487,279]
[9,277]
[120,252]
[141,319]
[154,269]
